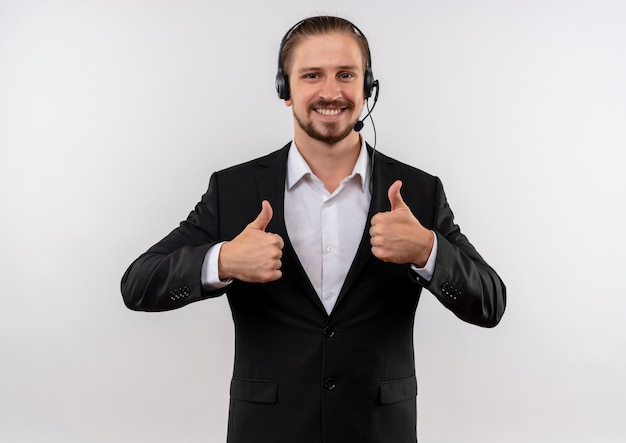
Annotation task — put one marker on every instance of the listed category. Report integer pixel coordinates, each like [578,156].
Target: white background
[113,114]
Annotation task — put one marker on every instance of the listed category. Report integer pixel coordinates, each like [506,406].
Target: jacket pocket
[255,391]
[395,391]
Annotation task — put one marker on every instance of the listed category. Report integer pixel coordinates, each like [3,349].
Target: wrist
[427,243]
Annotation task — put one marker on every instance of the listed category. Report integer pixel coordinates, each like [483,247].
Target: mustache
[331,104]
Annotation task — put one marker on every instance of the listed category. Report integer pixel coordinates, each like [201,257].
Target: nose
[330,89]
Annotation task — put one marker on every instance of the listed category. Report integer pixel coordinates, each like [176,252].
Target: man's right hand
[254,255]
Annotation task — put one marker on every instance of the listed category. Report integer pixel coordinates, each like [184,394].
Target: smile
[328,112]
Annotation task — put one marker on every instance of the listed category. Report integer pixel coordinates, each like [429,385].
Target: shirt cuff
[429,268]
[209,276]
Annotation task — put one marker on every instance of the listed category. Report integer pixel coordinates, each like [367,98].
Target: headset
[282,80]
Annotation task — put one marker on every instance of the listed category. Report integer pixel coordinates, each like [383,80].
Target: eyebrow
[340,68]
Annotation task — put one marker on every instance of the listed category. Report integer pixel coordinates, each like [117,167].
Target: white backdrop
[114,113]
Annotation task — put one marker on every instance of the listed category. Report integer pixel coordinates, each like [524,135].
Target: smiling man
[323,248]
[326,88]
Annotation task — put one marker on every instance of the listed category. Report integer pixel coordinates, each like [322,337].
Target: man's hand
[397,236]
[254,255]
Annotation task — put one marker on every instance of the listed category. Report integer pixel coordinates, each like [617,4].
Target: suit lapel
[385,172]
[271,176]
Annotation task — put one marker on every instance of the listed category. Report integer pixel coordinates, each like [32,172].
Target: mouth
[331,109]
[329,112]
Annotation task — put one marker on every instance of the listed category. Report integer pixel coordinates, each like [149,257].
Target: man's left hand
[397,236]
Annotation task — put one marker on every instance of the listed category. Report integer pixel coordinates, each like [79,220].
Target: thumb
[394,196]
[264,216]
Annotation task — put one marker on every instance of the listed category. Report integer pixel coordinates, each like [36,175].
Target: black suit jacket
[301,375]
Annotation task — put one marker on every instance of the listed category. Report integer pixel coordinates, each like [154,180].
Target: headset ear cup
[368,83]
[282,85]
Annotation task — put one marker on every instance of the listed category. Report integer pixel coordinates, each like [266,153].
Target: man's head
[315,26]
[325,75]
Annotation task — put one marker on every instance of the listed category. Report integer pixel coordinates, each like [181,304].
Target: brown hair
[320,25]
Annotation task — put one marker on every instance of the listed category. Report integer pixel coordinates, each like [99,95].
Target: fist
[254,255]
[397,236]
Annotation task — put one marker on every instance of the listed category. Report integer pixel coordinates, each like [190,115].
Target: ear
[288,102]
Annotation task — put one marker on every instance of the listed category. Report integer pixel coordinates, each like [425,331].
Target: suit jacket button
[330,384]
[329,332]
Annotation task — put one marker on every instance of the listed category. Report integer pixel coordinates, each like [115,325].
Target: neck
[330,163]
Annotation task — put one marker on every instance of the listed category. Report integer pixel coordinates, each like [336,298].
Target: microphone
[359,125]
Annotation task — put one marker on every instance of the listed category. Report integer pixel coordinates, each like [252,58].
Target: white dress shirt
[324,228]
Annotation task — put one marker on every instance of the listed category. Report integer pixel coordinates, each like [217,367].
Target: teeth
[328,112]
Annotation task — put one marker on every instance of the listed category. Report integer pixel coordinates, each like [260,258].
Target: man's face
[326,83]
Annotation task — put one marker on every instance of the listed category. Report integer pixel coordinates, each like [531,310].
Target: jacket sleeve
[462,280]
[167,276]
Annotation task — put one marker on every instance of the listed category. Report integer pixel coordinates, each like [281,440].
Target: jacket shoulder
[275,157]
[405,170]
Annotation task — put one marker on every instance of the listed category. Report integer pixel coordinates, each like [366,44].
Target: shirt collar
[297,167]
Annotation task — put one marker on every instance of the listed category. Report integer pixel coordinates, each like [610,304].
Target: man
[322,248]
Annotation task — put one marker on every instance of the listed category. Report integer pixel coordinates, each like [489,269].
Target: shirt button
[330,248]
[330,384]
[328,295]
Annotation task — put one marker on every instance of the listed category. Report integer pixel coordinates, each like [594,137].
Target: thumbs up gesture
[254,255]
[397,236]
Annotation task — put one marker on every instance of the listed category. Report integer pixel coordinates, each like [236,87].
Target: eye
[311,76]
[346,75]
